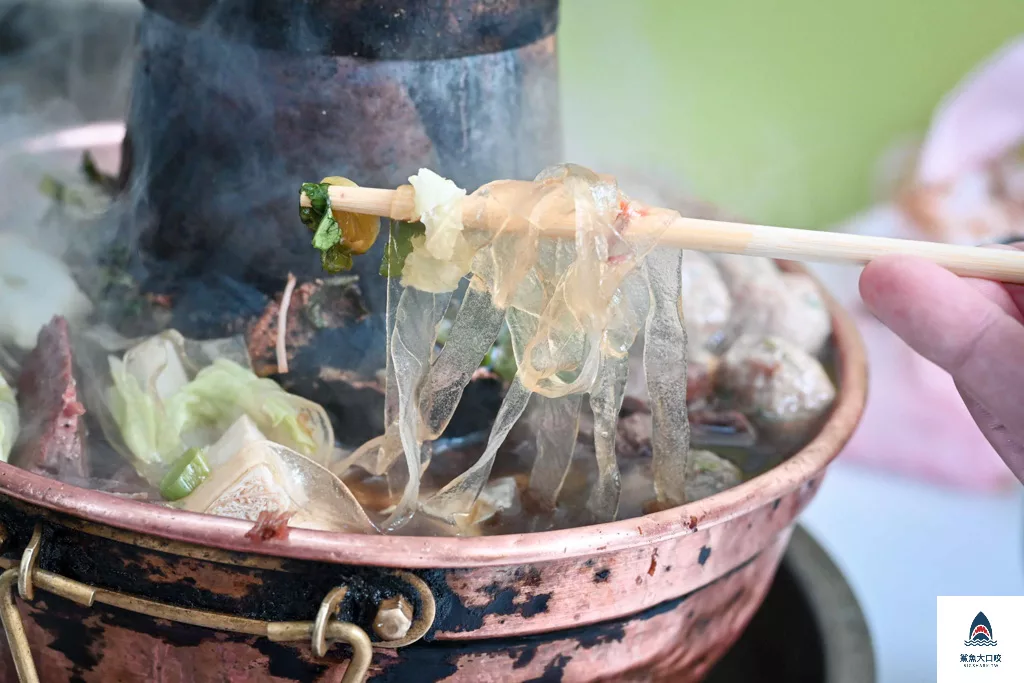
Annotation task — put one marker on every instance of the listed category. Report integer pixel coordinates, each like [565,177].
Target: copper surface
[323,631]
[678,644]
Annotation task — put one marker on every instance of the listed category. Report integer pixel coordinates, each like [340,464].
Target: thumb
[954,325]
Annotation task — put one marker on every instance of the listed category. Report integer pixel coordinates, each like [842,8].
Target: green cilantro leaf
[399,246]
[335,255]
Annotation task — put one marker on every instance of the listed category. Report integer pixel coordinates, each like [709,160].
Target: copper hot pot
[110,589]
[118,590]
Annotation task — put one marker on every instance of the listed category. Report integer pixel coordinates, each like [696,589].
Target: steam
[74,52]
[221,130]
[64,67]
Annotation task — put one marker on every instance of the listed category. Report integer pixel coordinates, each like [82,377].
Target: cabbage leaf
[8,419]
[157,428]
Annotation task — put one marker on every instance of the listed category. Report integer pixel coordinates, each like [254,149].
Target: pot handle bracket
[320,633]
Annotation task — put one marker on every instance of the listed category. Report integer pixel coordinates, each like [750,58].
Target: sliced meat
[712,428]
[709,429]
[701,371]
[633,437]
[52,440]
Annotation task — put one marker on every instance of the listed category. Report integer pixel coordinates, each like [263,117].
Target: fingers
[1005,442]
[1009,297]
[944,317]
[1001,296]
[1015,292]
[953,323]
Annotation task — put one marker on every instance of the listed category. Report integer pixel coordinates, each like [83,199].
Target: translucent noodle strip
[630,306]
[555,422]
[665,370]
[377,455]
[476,326]
[605,403]
[412,343]
[562,355]
[459,495]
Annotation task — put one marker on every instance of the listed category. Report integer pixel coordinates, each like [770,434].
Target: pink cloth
[979,121]
[915,422]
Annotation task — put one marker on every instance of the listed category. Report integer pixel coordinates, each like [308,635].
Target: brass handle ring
[325,629]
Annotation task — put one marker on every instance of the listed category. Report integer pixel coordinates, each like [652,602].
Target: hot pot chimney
[235,103]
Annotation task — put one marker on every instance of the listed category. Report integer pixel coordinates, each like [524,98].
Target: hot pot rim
[428,552]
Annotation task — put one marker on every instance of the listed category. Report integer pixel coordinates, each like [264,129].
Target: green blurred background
[778,109]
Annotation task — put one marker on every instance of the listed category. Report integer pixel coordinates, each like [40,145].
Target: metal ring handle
[15,630]
[29,559]
[324,630]
[328,608]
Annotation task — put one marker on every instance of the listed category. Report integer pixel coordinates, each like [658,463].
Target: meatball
[805,320]
[766,301]
[710,474]
[775,382]
[706,300]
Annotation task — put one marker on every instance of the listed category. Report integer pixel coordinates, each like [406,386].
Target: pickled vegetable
[337,235]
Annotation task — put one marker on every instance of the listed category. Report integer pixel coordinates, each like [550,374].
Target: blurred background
[778,110]
[783,113]
[786,114]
